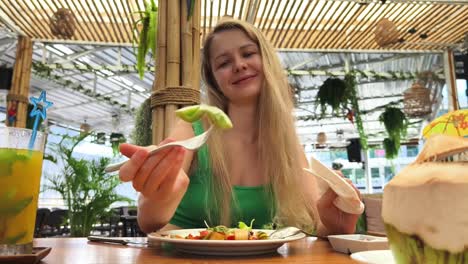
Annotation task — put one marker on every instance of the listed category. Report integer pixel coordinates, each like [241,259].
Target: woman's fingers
[128,171]
[151,163]
[167,186]
[162,182]
[128,149]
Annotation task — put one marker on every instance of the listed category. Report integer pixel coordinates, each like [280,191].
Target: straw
[38,113]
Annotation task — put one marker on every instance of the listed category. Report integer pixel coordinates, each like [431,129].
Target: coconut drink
[425,207]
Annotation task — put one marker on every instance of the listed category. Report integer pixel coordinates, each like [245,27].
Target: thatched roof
[298,24]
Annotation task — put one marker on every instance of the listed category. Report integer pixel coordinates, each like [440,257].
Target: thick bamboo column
[178,64]
[196,62]
[160,83]
[19,92]
[173,58]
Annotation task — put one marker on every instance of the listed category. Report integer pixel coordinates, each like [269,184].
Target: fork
[190,144]
[286,232]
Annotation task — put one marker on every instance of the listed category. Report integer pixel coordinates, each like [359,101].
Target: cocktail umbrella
[453,123]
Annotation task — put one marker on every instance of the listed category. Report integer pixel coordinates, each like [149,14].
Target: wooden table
[79,250]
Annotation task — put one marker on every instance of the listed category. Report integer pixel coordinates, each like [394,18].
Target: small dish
[356,242]
[374,257]
[37,255]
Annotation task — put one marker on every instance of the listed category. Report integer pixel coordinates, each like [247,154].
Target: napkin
[347,200]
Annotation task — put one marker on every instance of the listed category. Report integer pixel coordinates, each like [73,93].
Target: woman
[254,170]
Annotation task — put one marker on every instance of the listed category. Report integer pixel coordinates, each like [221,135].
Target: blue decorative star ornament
[42,101]
[38,113]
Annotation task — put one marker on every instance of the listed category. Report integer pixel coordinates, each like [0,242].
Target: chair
[56,223]
[41,216]
[375,225]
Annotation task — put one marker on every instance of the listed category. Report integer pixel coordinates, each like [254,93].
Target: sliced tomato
[231,237]
[204,233]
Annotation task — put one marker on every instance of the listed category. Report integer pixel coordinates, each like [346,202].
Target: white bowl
[354,243]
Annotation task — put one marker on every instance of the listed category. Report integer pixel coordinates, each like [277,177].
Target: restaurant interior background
[94,85]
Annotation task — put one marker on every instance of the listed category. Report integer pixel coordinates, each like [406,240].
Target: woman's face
[237,66]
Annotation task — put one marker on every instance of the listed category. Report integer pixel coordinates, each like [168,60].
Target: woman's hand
[335,220]
[156,177]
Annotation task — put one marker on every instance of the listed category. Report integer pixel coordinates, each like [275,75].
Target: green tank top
[252,202]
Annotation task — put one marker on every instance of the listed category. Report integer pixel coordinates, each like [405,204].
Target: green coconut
[412,250]
[425,206]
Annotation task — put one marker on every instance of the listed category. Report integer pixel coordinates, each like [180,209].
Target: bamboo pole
[186,37]
[19,91]
[173,59]
[196,45]
[160,83]
[450,80]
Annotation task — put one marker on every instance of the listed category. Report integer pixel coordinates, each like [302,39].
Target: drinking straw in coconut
[38,113]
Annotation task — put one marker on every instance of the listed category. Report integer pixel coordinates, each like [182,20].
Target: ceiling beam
[10,24]
[77,55]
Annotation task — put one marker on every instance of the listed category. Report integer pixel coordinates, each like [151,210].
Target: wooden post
[160,82]
[177,61]
[450,80]
[17,97]
[173,59]
[196,45]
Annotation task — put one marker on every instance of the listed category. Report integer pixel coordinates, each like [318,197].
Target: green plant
[351,84]
[116,139]
[335,93]
[88,191]
[396,124]
[341,95]
[147,41]
[142,133]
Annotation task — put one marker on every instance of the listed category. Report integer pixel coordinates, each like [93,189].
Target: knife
[114,240]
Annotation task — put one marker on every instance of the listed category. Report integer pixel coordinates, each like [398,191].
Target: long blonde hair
[278,144]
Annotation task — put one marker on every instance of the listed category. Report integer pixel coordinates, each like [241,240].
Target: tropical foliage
[88,191]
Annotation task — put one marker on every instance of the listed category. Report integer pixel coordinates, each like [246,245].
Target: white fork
[190,144]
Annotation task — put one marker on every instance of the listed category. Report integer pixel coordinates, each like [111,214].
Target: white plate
[356,242]
[374,257]
[221,247]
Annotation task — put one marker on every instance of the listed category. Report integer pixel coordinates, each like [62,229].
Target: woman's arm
[161,178]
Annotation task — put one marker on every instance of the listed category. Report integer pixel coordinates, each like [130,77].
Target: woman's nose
[239,65]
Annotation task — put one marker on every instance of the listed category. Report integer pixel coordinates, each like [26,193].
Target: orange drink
[20,175]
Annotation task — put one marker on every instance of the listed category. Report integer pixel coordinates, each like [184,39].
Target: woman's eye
[248,54]
[223,64]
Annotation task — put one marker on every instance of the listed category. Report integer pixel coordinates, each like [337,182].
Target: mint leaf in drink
[14,239]
[7,158]
[13,208]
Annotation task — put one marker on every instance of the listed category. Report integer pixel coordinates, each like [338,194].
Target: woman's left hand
[335,220]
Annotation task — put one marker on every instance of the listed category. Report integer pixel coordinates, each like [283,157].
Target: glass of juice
[20,176]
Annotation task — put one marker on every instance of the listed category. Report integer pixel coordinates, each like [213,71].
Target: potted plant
[88,191]
[341,96]
[142,133]
[116,139]
[396,124]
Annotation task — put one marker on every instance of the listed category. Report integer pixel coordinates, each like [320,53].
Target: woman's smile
[244,79]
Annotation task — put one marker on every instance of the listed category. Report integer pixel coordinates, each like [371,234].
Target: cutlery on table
[114,240]
[190,144]
[286,232]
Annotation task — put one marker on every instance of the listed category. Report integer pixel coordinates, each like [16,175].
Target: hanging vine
[396,124]
[351,84]
[148,38]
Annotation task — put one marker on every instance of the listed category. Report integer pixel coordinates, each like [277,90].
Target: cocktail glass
[20,176]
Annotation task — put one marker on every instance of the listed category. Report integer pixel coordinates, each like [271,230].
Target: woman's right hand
[155,176]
